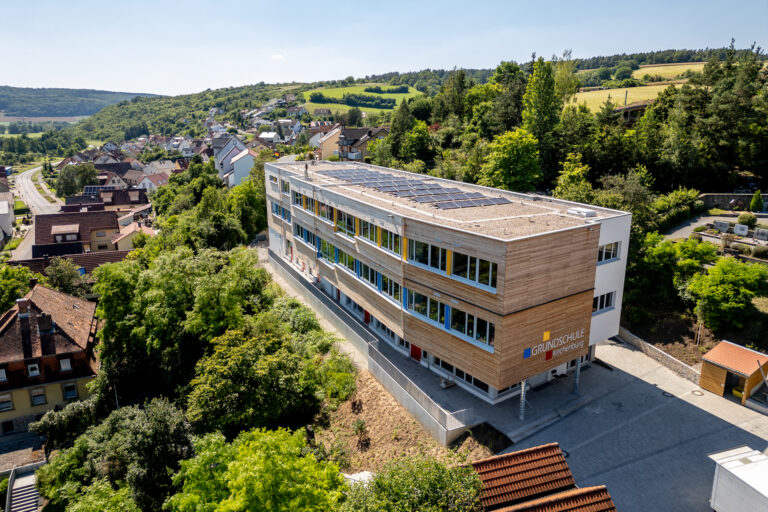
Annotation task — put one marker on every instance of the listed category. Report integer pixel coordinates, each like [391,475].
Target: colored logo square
[526,353]
[546,336]
[549,355]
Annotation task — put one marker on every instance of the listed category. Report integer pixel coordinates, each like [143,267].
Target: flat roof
[748,465]
[738,359]
[517,215]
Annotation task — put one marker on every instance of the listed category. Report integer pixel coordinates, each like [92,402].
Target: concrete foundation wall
[723,200]
[660,356]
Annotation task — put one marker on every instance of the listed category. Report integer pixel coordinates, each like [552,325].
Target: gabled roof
[522,475]
[71,316]
[738,359]
[159,179]
[587,499]
[133,227]
[119,168]
[88,260]
[243,154]
[86,222]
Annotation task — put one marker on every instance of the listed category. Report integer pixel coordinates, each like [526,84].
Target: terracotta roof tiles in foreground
[523,475]
[587,499]
[736,358]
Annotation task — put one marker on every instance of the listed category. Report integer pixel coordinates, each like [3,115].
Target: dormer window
[33,370]
[3,376]
[66,365]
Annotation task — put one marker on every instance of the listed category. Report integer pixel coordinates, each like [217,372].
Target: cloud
[278,57]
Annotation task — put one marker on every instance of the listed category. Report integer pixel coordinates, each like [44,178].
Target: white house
[153,181]
[314,141]
[242,164]
[6,214]
[293,125]
[272,137]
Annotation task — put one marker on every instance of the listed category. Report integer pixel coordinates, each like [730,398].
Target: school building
[494,291]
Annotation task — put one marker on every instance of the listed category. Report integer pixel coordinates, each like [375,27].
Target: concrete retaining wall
[660,356]
[442,425]
[723,200]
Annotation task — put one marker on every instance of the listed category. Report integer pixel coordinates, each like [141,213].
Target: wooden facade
[713,378]
[541,306]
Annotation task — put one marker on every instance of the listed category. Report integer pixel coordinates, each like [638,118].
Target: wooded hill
[34,102]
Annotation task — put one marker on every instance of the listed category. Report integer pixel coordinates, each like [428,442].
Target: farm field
[338,92]
[595,99]
[10,119]
[30,135]
[668,71]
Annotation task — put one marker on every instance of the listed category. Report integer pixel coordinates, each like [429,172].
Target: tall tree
[541,112]
[566,83]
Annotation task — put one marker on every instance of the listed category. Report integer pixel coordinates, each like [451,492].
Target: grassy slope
[595,99]
[338,92]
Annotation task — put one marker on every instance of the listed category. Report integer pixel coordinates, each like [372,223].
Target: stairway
[24,495]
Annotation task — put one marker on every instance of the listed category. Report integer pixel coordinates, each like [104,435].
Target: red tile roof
[588,499]
[522,475]
[736,358]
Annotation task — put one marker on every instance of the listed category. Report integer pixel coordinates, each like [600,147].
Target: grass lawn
[338,92]
[30,135]
[595,99]
[669,71]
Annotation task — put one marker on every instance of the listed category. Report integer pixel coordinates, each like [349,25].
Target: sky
[177,47]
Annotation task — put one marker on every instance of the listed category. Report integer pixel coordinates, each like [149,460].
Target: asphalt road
[37,202]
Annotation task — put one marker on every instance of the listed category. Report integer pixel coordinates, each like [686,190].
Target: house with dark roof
[119,200]
[47,355]
[536,479]
[320,112]
[73,233]
[296,111]
[353,142]
[85,262]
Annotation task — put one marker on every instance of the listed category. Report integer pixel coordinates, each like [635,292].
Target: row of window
[603,302]
[33,369]
[381,282]
[461,374]
[304,234]
[281,212]
[608,252]
[458,321]
[37,396]
[467,267]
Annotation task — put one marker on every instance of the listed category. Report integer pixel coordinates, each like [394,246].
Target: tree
[572,184]
[724,294]
[65,276]
[62,427]
[508,104]
[417,144]
[402,122]
[137,448]
[260,471]
[417,483]
[622,73]
[566,83]
[73,178]
[354,117]
[250,381]
[756,204]
[247,204]
[541,112]
[14,284]
[512,162]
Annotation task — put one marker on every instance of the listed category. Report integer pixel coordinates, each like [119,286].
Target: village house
[241,167]
[152,182]
[322,112]
[296,111]
[47,355]
[72,233]
[328,144]
[289,125]
[271,137]
[123,241]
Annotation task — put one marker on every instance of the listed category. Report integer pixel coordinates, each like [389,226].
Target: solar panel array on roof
[415,189]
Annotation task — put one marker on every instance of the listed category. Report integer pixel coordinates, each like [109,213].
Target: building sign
[553,347]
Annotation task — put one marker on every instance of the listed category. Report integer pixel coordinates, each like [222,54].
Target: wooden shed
[731,368]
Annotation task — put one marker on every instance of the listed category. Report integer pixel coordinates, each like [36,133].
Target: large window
[346,260]
[304,234]
[426,307]
[608,252]
[327,250]
[325,211]
[37,396]
[345,223]
[369,275]
[390,287]
[286,187]
[472,326]
[298,199]
[419,252]
[391,241]
[6,403]
[474,269]
[70,391]
[460,374]
[603,302]
[368,231]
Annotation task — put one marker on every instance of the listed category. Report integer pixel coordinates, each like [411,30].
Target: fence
[661,357]
[441,424]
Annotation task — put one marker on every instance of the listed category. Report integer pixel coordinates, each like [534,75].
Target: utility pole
[522,401]
[576,376]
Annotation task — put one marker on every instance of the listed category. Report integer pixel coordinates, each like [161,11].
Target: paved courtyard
[647,434]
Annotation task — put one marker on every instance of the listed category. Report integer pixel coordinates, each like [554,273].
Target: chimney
[23,305]
[46,328]
[370,132]
[32,283]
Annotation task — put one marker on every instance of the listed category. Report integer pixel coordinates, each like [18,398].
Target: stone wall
[723,200]
[660,356]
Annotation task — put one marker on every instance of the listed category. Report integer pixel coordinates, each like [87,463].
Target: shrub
[695,236]
[750,219]
[743,249]
[756,204]
[699,229]
[760,251]
[726,240]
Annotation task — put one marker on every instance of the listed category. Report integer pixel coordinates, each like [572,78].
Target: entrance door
[366,317]
[415,352]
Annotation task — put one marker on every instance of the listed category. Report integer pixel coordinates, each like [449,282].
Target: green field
[30,135]
[338,92]
[595,99]
[668,71]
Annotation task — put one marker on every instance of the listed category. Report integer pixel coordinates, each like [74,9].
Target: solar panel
[449,205]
